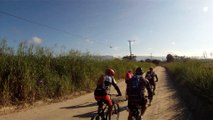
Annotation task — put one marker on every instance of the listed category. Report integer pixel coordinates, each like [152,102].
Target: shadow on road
[80,106]
[85,115]
[88,114]
[180,107]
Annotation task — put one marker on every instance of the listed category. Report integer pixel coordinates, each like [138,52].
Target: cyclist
[136,96]
[103,88]
[151,76]
[128,76]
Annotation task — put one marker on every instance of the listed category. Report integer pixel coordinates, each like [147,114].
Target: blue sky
[103,27]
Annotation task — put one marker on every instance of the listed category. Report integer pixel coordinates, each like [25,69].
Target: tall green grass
[32,73]
[195,79]
[196,75]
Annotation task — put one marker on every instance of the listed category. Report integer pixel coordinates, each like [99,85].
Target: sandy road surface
[165,106]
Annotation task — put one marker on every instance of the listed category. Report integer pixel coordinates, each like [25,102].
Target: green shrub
[195,80]
[34,73]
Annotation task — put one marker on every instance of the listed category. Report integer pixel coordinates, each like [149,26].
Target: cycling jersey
[150,75]
[102,90]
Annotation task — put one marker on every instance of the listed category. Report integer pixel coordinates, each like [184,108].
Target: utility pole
[130,47]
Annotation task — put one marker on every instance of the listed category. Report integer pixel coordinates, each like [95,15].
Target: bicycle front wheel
[115,111]
[96,117]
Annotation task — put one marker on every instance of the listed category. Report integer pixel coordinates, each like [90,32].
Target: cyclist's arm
[116,87]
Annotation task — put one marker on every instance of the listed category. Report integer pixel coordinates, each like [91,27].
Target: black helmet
[139,71]
[151,68]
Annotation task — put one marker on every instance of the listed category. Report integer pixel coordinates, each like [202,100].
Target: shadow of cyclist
[80,106]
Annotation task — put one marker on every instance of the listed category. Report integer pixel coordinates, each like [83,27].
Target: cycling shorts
[106,99]
[152,82]
[133,103]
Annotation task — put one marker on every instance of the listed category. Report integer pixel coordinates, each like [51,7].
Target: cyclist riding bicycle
[136,92]
[103,88]
[151,76]
[128,76]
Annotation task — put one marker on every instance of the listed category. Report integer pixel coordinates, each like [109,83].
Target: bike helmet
[139,71]
[151,68]
[110,72]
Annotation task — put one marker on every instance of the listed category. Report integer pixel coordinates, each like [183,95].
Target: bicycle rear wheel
[136,113]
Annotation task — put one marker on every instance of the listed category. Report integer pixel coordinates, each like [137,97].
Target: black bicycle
[136,112]
[103,111]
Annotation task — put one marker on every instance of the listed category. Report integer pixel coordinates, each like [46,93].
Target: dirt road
[165,106]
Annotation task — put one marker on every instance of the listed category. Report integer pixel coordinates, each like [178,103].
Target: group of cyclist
[107,80]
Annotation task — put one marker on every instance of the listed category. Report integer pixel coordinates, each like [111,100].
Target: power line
[49,27]
[42,25]
[37,23]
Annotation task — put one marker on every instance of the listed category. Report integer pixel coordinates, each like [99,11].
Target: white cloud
[150,49]
[173,43]
[36,41]
[205,9]
[89,41]
[189,53]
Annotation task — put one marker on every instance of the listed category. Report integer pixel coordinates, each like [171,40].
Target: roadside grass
[195,80]
[33,73]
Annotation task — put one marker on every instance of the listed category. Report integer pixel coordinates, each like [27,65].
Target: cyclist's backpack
[134,88]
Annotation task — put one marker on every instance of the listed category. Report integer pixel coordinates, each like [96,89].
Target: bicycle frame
[103,111]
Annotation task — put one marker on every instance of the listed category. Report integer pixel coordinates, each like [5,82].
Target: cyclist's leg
[99,100]
[130,110]
[100,106]
[130,115]
[154,87]
[143,105]
[108,101]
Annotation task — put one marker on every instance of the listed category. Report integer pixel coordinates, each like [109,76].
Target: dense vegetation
[32,73]
[194,78]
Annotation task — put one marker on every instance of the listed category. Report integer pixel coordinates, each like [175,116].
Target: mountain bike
[136,112]
[103,111]
[136,109]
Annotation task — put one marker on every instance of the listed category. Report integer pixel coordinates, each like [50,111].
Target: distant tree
[156,62]
[148,60]
[133,58]
[169,58]
[141,60]
[126,58]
